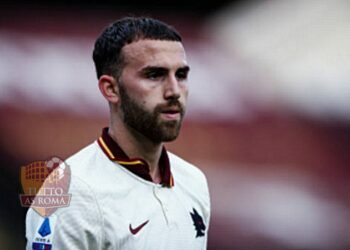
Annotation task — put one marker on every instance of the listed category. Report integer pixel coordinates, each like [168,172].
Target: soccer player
[127,191]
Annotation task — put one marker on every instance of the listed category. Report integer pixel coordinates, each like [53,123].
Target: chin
[167,135]
[170,131]
[170,138]
[165,131]
[170,135]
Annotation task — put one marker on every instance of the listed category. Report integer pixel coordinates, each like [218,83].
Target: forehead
[154,53]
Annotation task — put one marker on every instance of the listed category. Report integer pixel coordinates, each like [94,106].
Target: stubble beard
[147,123]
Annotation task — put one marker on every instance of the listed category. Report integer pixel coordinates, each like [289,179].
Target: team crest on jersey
[44,234]
[198,223]
[45,185]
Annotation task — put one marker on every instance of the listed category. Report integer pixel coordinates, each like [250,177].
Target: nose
[172,89]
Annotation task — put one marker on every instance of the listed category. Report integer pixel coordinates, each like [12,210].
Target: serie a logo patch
[44,233]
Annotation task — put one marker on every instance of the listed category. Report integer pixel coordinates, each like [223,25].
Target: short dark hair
[106,54]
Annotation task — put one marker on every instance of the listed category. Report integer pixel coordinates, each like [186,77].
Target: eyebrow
[153,68]
[162,69]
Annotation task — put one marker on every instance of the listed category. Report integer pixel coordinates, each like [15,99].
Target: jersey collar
[136,165]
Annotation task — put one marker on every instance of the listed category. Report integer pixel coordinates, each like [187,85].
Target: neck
[135,145]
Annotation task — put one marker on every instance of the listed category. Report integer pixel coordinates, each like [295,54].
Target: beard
[149,123]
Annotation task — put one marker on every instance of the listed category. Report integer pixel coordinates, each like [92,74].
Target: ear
[109,88]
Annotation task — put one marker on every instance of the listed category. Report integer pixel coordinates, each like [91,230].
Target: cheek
[185,92]
[145,90]
[147,102]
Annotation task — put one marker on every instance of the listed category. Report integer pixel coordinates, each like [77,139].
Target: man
[127,191]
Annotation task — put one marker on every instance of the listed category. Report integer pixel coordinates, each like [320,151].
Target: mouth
[171,113]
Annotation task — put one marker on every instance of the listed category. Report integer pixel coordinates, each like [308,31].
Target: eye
[154,73]
[182,74]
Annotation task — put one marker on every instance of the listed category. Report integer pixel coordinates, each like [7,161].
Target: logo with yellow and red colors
[45,185]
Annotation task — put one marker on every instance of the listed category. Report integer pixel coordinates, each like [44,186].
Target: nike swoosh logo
[137,229]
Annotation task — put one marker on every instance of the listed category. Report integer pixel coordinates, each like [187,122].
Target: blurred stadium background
[268,118]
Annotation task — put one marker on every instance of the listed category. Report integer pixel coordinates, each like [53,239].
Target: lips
[171,113]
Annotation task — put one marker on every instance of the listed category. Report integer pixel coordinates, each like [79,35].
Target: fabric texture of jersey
[114,208]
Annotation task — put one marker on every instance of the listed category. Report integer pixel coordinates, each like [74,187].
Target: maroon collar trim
[136,165]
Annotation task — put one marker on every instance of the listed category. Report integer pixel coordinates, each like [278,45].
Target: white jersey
[115,205]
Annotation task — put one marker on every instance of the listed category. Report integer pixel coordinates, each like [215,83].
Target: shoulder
[77,225]
[87,162]
[184,169]
[84,155]
[73,222]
